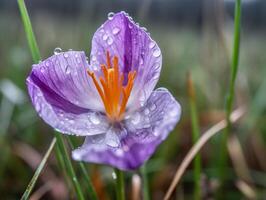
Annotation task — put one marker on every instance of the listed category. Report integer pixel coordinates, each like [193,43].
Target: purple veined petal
[65,74]
[139,135]
[64,116]
[122,37]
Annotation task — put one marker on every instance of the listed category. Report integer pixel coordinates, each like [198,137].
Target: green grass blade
[120,184]
[38,171]
[68,166]
[90,188]
[145,182]
[195,136]
[231,92]
[29,32]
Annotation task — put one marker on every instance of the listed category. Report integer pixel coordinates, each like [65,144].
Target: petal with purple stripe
[64,116]
[135,50]
[65,74]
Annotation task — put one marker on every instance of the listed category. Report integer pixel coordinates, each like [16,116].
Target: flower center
[113,93]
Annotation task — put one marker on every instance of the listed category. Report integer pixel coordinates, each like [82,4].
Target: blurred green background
[194,36]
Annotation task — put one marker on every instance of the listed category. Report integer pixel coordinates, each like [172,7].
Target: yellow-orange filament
[113,93]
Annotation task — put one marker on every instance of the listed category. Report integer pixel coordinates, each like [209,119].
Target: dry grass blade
[238,159]
[197,147]
[136,187]
[246,189]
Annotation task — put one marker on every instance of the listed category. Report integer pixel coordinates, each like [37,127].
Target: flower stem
[120,184]
[195,135]
[231,92]
[145,182]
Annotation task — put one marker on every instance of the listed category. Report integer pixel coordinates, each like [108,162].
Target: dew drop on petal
[94,119]
[110,15]
[156,53]
[152,44]
[146,111]
[144,29]
[135,119]
[153,107]
[67,70]
[93,58]
[57,50]
[174,112]
[66,55]
[141,61]
[116,30]
[47,64]
[110,41]
[105,36]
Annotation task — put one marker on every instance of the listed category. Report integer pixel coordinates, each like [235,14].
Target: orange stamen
[112,92]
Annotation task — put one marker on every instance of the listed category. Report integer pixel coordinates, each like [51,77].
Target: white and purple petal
[60,92]
[122,37]
[129,145]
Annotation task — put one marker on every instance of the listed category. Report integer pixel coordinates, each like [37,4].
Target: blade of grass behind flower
[195,135]
[29,32]
[91,190]
[145,182]
[38,171]
[231,92]
[36,58]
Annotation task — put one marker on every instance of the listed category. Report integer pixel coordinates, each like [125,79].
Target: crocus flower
[109,100]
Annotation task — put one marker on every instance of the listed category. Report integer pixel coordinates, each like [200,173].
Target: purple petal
[59,96]
[64,116]
[127,147]
[65,75]
[135,50]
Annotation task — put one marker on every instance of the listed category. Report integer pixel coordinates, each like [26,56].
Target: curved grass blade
[145,182]
[38,171]
[29,32]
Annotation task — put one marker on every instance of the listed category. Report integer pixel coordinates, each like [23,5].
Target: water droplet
[37,107]
[98,138]
[94,119]
[141,61]
[57,50]
[130,25]
[173,112]
[116,30]
[93,58]
[42,69]
[156,53]
[114,175]
[135,119]
[110,41]
[105,36]
[78,61]
[153,107]
[76,55]
[67,70]
[66,55]
[47,64]
[144,29]
[110,15]
[146,111]
[152,44]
